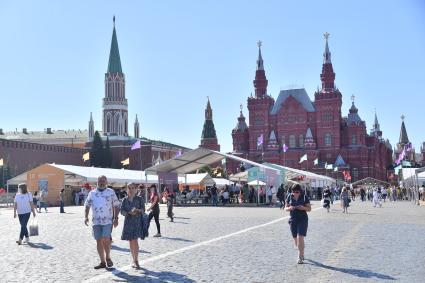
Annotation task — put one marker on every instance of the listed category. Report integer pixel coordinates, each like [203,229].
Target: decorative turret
[91,127]
[260,82]
[404,139]
[327,76]
[272,144]
[115,107]
[309,140]
[136,128]
[209,137]
[240,134]
[376,129]
[241,125]
[353,116]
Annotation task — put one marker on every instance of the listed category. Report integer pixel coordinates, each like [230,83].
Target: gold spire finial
[402,117]
[259,43]
[113,19]
[352,98]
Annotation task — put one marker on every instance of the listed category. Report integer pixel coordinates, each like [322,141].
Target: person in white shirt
[105,208]
[23,206]
[270,194]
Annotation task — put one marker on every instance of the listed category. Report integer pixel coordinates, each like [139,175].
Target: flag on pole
[285,148]
[1,162]
[136,145]
[86,156]
[316,161]
[260,140]
[336,169]
[126,162]
[303,158]
[328,166]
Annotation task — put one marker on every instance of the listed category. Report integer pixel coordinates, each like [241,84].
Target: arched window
[292,141]
[353,139]
[328,139]
[301,141]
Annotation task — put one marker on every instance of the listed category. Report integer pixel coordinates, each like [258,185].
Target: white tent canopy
[256,182]
[196,179]
[239,177]
[21,178]
[75,175]
[196,159]
[291,173]
[220,182]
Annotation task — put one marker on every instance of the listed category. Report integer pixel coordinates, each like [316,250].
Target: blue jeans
[61,209]
[214,200]
[23,220]
[42,204]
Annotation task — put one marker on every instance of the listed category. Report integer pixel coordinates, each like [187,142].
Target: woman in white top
[24,206]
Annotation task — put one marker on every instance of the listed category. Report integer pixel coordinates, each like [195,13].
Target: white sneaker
[26,239]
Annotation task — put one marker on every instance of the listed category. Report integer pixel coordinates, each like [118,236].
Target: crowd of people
[106,204]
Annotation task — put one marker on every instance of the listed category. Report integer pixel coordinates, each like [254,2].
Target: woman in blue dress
[132,208]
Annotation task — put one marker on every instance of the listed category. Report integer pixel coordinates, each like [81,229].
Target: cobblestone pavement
[227,244]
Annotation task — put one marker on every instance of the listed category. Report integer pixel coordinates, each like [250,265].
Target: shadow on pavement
[39,246]
[177,239]
[152,276]
[126,250]
[352,271]
[181,217]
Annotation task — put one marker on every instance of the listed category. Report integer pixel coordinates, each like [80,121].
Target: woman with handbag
[23,206]
[133,207]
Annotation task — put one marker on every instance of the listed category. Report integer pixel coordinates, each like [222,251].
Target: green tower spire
[114,65]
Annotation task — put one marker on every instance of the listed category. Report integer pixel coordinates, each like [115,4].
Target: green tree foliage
[107,155]
[97,151]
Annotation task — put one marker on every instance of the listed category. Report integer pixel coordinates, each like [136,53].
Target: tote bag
[34,227]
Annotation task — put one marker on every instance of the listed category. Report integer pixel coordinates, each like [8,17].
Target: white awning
[195,159]
[239,177]
[197,179]
[90,174]
[220,182]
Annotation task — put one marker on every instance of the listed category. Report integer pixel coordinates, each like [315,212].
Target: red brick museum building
[316,128]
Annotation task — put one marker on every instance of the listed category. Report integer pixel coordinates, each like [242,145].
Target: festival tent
[196,181]
[413,176]
[195,159]
[369,181]
[56,176]
[292,174]
[256,183]
[239,177]
[221,182]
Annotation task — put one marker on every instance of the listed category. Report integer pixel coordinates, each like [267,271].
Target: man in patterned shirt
[105,209]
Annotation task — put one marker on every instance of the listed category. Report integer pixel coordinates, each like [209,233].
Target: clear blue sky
[176,53]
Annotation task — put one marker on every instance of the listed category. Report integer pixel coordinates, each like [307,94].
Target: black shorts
[298,227]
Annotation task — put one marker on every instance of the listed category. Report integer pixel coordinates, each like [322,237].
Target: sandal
[300,260]
[101,265]
[135,265]
[109,262]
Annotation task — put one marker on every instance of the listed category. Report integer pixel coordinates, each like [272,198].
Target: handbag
[34,227]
